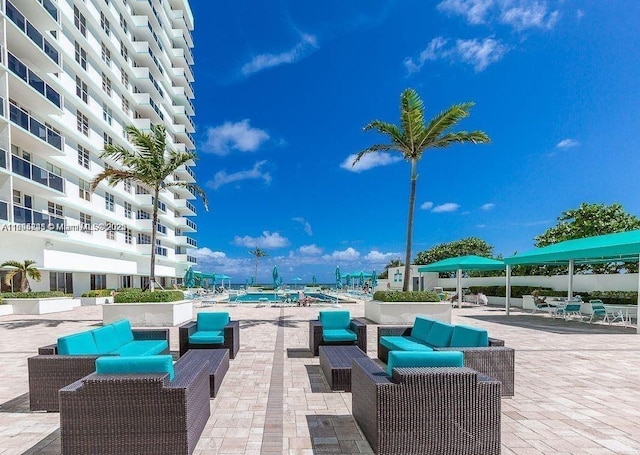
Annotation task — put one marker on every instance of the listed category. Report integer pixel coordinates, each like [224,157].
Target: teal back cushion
[105,338]
[77,344]
[136,365]
[400,359]
[212,322]
[421,327]
[440,334]
[123,331]
[332,320]
[464,336]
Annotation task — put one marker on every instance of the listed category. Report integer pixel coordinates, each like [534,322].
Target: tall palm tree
[149,163]
[258,253]
[24,270]
[412,137]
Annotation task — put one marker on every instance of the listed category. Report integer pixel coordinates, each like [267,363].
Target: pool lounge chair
[599,311]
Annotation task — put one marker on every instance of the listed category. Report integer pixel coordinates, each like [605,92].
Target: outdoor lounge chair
[210,330]
[599,311]
[336,328]
[572,308]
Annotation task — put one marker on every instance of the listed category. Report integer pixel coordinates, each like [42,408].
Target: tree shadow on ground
[280,322]
[17,405]
[25,323]
[49,445]
[317,380]
[554,325]
[336,434]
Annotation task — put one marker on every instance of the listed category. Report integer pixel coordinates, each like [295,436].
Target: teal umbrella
[374,279]
[314,281]
[190,278]
[338,278]
[275,277]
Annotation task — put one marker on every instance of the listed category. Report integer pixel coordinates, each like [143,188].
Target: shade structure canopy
[470,262]
[189,278]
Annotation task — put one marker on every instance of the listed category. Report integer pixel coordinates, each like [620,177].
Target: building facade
[73,74]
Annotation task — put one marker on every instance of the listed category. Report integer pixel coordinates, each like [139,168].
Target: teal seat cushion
[336,335]
[142,347]
[405,359]
[402,343]
[207,337]
[465,336]
[123,331]
[106,339]
[440,334]
[421,327]
[334,319]
[135,365]
[77,344]
[212,322]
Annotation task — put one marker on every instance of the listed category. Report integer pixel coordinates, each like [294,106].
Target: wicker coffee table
[219,359]
[335,362]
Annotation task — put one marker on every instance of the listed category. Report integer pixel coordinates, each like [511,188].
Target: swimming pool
[272,297]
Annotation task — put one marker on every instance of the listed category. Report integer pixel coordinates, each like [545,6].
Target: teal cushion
[105,338]
[333,335]
[123,331]
[143,347]
[207,337]
[465,336]
[421,327]
[403,359]
[212,322]
[135,365]
[77,344]
[401,343]
[440,334]
[334,319]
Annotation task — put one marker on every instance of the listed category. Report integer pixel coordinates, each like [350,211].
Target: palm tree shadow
[26,323]
[335,434]
[280,322]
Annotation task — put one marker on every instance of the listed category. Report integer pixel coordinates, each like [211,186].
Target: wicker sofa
[426,411]
[113,411]
[482,353]
[342,331]
[74,356]
[210,330]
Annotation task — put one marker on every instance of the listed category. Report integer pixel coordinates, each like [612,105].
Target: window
[124,78]
[104,23]
[17,197]
[79,21]
[107,115]
[82,123]
[124,52]
[61,281]
[125,106]
[127,210]
[109,202]
[106,54]
[123,23]
[55,209]
[144,239]
[83,157]
[142,215]
[125,281]
[84,190]
[98,281]
[106,84]
[111,234]
[107,139]
[128,237]
[81,90]
[54,169]
[127,185]
[85,223]
[81,56]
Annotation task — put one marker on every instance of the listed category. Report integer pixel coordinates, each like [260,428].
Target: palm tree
[412,138]
[150,163]
[392,263]
[258,253]
[24,270]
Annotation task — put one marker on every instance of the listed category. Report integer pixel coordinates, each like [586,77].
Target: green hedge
[607,297]
[98,293]
[139,296]
[401,296]
[33,295]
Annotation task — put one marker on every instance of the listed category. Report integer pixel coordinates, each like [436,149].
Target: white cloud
[481,226]
[488,206]
[310,250]
[434,50]
[475,11]
[376,257]
[480,54]
[263,61]
[567,143]
[207,254]
[267,240]
[350,254]
[579,14]
[446,207]
[229,136]
[305,224]
[368,161]
[426,205]
[222,178]
[527,15]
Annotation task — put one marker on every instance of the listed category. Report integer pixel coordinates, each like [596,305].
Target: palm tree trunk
[154,233]
[255,275]
[412,203]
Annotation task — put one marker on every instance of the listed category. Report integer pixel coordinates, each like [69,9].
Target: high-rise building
[73,74]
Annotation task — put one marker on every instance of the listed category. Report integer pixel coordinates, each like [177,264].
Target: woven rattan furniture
[496,360]
[335,362]
[315,336]
[137,414]
[218,360]
[231,338]
[49,372]
[426,411]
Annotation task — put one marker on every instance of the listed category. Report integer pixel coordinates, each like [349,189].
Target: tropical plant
[463,247]
[23,270]
[412,137]
[392,263]
[149,163]
[258,253]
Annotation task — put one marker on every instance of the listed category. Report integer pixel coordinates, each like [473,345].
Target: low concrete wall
[43,306]
[157,314]
[405,312]
[87,301]
[6,309]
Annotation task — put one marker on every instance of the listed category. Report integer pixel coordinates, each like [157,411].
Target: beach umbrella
[189,278]
[275,277]
[361,278]
[338,278]
[374,279]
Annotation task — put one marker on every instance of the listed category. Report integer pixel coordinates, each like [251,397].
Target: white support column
[507,302]
[570,286]
[459,285]
[638,312]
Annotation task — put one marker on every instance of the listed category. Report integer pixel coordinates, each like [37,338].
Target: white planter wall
[6,309]
[87,301]
[405,312]
[160,314]
[42,306]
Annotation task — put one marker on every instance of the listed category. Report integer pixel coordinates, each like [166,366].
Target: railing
[17,18]
[24,215]
[24,120]
[191,207]
[162,251]
[23,72]
[192,242]
[192,259]
[191,224]
[4,211]
[50,7]
[36,173]
[161,229]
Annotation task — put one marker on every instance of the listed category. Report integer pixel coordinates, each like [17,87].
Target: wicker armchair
[315,335]
[426,411]
[496,360]
[49,372]
[143,413]
[231,338]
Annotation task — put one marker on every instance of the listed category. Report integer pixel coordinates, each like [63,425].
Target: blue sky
[284,88]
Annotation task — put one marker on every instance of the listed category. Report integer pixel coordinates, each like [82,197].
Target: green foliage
[258,253]
[614,297]
[22,270]
[139,296]
[33,295]
[406,296]
[392,263]
[516,291]
[98,293]
[463,247]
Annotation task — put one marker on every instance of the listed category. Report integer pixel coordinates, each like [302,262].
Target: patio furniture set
[592,311]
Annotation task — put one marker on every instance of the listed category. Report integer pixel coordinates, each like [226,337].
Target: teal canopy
[189,278]
[463,263]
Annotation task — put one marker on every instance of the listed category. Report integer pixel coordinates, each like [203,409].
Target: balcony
[185,241]
[185,224]
[45,18]
[26,95]
[22,118]
[3,158]
[185,207]
[36,174]
[39,220]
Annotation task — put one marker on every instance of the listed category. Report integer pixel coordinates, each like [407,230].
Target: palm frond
[117,153]
[411,117]
[115,176]
[392,131]
[194,189]
[474,137]
[373,149]
[15,264]
[444,121]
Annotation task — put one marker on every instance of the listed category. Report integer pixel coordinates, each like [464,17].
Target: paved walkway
[577,386]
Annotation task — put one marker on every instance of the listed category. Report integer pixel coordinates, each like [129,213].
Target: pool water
[257,297]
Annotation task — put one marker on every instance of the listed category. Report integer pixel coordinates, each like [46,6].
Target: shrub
[401,296]
[33,295]
[139,296]
[98,293]
[516,291]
